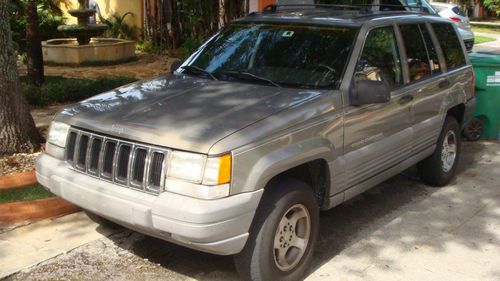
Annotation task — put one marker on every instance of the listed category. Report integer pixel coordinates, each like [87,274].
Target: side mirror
[176,64]
[369,92]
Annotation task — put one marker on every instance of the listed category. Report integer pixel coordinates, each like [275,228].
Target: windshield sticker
[287,33]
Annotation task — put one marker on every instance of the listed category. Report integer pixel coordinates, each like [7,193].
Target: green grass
[29,193]
[485,30]
[60,90]
[482,39]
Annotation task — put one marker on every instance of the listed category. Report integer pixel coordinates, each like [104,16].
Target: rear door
[427,84]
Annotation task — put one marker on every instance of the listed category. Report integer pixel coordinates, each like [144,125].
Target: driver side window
[379,60]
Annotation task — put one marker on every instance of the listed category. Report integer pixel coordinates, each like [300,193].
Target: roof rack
[362,8]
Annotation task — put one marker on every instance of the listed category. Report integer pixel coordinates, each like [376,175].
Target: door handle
[444,83]
[405,99]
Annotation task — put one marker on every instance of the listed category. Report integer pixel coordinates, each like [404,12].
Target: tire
[102,221]
[439,168]
[473,129]
[258,261]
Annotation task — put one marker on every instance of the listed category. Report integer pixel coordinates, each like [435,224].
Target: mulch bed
[17,163]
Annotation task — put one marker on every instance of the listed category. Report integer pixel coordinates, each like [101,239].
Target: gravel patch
[17,163]
[128,255]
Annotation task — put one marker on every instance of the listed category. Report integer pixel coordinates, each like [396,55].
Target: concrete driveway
[400,230]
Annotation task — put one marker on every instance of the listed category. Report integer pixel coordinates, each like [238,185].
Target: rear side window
[431,50]
[450,44]
[416,53]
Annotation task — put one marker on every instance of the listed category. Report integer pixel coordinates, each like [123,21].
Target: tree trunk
[33,45]
[17,129]
[222,13]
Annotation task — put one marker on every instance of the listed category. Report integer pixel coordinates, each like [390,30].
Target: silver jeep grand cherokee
[279,115]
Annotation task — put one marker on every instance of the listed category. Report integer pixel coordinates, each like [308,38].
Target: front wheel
[439,168]
[283,234]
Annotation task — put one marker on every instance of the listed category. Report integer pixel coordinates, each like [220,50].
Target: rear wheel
[283,234]
[473,130]
[439,168]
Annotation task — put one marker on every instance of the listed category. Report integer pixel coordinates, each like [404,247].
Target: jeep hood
[180,112]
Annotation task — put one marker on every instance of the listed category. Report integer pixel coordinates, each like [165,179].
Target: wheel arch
[307,160]
[458,112]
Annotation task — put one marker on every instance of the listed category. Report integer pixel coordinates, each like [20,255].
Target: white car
[457,15]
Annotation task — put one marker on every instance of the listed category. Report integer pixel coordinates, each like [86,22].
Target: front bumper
[215,226]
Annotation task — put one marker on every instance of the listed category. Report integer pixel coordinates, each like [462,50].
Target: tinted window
[379,60]
[291,55]
[416,53]
[458,11]
[450,44]
[391,5]
[431,50]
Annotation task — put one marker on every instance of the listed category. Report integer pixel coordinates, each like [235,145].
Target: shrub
[49,17]
[59,89]
[189,46]
[118,28]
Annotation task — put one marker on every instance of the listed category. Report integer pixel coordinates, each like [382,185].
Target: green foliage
[190,45]
[49,17]
[493,5]
[149,47]
[183,24]
[29,193]
[59,89]
[118,28]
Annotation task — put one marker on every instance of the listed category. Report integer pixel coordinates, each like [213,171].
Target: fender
[277,157]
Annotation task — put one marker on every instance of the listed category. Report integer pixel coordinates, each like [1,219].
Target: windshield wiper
[199,69]
[239,74]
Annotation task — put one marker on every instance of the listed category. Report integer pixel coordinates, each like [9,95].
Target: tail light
[455,19]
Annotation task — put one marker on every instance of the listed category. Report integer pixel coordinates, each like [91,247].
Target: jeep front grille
[126,163]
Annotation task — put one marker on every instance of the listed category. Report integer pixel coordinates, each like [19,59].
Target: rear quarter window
[457,11]
[450,44]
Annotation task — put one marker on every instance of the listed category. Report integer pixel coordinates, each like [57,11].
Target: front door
[377,136]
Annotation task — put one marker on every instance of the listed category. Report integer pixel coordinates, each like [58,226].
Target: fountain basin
[98,51]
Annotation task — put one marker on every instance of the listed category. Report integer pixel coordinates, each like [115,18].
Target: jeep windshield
[282,55]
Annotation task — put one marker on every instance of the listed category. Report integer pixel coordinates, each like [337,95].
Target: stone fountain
[83,31]
[85,48]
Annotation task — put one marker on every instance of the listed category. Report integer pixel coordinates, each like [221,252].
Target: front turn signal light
[217,170]
[224,169]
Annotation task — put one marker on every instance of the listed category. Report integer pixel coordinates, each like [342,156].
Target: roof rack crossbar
[360,7]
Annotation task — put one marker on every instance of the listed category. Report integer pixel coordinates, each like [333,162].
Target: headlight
[57,133]
[199,176]
[187,166]
[197,168]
